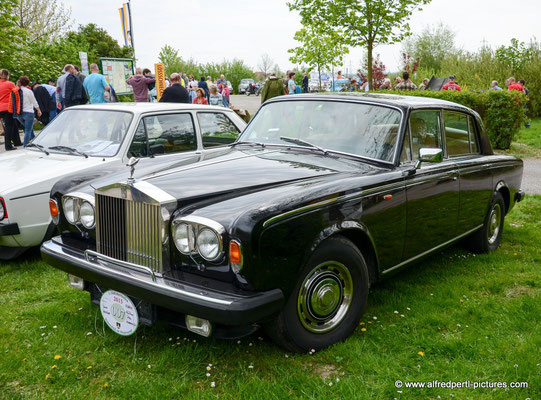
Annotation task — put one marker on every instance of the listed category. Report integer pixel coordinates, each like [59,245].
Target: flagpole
[131,30]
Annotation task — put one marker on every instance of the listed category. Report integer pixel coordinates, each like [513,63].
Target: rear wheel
[487,239]
[328,301]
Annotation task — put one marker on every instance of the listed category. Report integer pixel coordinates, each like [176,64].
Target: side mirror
[429,154]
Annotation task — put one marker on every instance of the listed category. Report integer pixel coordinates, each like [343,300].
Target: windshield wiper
[70,149]
[300,141]
[38,146]
[248,142]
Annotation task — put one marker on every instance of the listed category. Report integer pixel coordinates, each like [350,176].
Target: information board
[116,71]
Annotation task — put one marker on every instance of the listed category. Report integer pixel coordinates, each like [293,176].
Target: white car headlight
[79,209]
[208,244]
[184,238]
[70,210]
[193,234]
[87,215]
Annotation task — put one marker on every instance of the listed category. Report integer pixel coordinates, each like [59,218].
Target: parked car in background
[320,197]
[85,138]
[244,84]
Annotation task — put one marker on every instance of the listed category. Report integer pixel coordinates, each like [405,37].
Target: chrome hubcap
[325,297]
[494,223]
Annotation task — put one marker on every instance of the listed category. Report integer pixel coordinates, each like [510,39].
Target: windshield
[361,129]
[93,132]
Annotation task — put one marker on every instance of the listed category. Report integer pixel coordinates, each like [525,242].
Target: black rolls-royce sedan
[288,227]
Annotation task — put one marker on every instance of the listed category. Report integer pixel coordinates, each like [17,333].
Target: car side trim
[28,195]
[352,196]
[431,250]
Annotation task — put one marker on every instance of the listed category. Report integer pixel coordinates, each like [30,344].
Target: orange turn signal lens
[235,256]
[53,208]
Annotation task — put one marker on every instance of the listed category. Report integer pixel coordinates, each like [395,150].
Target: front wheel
[328,301]
[487,239]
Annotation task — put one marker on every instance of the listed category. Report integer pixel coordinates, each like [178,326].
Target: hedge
[502,112]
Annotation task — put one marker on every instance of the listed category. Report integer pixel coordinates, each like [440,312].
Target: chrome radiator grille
[129,231]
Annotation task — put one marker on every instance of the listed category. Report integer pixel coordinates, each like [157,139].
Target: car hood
[239,171]
[29,172]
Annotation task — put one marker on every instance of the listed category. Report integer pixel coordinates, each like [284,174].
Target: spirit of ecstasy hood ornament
[132,162]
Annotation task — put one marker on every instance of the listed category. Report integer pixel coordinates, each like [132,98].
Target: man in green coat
[273,88]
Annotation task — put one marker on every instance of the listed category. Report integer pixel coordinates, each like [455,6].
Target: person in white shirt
[28,105]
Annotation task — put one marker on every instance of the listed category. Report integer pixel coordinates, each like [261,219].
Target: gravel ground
[250,103]
[531,180]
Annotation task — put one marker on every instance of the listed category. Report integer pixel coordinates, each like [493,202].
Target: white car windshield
[361,129]
[93,132]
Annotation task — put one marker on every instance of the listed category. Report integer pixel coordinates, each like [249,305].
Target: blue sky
[214,30]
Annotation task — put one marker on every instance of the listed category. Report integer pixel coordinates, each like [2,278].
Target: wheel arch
[506,194]
[359,235]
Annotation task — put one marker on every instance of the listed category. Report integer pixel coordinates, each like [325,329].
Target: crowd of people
[25,101]
[181,88]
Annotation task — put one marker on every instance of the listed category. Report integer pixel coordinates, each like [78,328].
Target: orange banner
[160,79]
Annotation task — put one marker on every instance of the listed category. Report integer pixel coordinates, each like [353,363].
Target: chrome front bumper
[217,306]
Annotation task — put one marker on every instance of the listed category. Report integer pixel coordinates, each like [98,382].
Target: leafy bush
[502,112]
[476,70]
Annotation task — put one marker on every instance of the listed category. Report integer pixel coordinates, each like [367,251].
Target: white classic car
[85,138]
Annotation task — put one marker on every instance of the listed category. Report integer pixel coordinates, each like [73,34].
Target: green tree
[42,19]
[96,42]
[43,59]
[233,71]
[431,46]
[318,49]
[11,36]
[170,59]
[365,23]
[514,56]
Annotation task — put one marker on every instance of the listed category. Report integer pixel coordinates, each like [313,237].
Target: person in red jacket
[11,131]
[513,85]
[451,85]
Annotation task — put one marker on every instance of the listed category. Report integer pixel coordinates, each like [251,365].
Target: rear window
[460,137]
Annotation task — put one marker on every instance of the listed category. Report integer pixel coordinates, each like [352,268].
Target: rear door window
[473,136]
[164,134]
[457,133]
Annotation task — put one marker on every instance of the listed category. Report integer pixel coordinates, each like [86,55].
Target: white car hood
[29,172]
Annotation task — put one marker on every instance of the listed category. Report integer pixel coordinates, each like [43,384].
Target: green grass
[475,318]
[527,143]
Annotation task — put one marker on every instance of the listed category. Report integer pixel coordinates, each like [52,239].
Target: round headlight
[86,215]
[183,238]
[69,210]
[208,244]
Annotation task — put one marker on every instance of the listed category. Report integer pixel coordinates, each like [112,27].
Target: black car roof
[379,98]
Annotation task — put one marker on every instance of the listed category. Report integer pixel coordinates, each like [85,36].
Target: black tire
[338,274]
[487,239]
